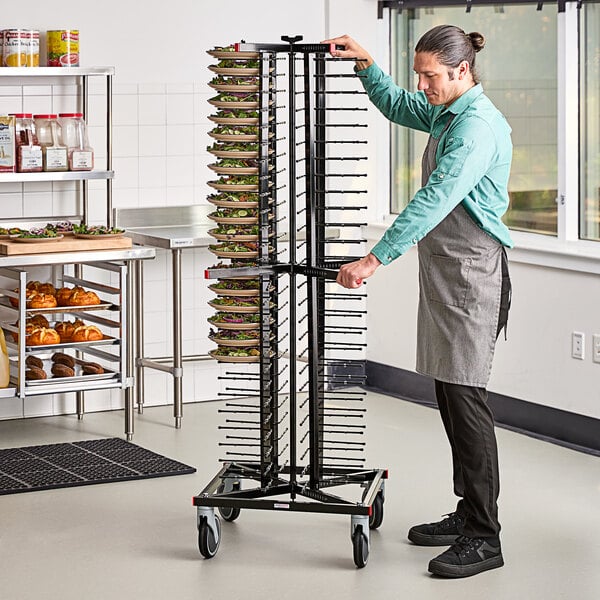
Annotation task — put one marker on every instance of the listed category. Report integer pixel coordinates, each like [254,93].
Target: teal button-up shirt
[473,162]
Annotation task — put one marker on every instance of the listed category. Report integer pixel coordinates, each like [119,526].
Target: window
[589,59]
[518,70]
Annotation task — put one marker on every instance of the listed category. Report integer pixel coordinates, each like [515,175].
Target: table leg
[177,346]
[139,334]
[129,300]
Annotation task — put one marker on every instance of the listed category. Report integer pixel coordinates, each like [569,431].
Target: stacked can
[63,47]
[20,48]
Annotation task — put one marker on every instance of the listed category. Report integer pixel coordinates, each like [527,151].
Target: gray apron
[460,283]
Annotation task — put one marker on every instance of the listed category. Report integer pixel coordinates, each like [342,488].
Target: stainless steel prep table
[172,228]
[133,256]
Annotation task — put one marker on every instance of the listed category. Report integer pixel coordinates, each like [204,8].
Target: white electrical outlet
[578,345]
[596,347]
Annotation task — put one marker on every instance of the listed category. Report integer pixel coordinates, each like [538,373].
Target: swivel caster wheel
[229,513]
[376,516]
[360,547]
[209,538]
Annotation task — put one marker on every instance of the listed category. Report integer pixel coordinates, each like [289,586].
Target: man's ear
[463,69]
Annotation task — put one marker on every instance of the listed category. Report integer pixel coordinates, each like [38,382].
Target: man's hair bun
[477,40]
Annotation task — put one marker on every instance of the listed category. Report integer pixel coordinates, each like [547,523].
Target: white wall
[158,51]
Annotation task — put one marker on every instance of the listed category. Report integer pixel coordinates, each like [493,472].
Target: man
[464,286]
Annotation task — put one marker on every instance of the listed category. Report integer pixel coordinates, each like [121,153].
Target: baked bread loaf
[66,328]
[38,321]
[35,373]
[81,297]
[42,336]
[91,368]
[87,333]
[63,359]
[60,370]
[39,300]
[62,295]
[28,295]
[34,361]
[41,288]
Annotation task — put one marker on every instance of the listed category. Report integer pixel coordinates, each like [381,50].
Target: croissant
[87,333]
[39,300]
[43,336]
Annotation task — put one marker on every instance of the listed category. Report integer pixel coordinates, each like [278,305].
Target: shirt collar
[464,101]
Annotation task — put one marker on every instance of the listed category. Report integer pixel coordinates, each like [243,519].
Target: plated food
[96,231]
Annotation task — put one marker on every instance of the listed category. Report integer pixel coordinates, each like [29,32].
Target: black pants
[469,424]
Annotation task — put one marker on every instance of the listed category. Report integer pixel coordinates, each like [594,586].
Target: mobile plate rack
[293,440]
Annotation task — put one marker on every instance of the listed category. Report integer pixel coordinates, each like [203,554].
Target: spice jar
[75,136]
[54,151]
[28,149]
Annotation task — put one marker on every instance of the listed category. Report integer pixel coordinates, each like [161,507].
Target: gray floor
[137,540]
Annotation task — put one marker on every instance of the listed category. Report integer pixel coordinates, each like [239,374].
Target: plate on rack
[233,204]
[234,309]
[225,54]
[234,220]
[34,240]
[234,343]
[225,292]
[234,120]
[227,237]
[235,87]
[240,137]
[230,187]
[233,170]
[235,71]
[240,255]
[235,153]
[237,359]
[234,104]
[235,326]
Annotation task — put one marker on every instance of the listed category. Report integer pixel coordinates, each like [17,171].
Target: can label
[21,48]
[63,48]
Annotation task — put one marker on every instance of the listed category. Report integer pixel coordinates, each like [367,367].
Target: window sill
[534,249]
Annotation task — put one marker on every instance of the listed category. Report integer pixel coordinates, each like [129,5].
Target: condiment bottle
[75,136]
[28,149]
[54,151]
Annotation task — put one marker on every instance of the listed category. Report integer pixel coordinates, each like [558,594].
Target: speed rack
[294,425]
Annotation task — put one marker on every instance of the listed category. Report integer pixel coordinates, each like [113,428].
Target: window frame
[564,250]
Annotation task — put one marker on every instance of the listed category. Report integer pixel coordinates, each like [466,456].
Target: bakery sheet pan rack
[294,421]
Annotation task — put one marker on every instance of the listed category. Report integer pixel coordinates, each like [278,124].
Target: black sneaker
[442,533]
[466,557]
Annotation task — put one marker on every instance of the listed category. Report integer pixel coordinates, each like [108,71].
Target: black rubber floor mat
[87,462]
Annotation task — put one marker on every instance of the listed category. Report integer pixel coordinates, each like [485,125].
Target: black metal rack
[293,439]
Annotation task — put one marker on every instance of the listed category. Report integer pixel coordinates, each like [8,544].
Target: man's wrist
[363,63]
[373,260]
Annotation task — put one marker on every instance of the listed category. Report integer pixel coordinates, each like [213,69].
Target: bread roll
[42,336]
[82,298]
[35,373]
[39,300]
[34,361]
[63,359]
[60,370]
[91,368]
[42,288]
[62,296]
[87,333]
[66,328]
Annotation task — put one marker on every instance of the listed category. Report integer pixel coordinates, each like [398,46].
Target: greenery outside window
[518,70]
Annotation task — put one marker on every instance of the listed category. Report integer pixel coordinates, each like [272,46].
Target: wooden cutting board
[67,244]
